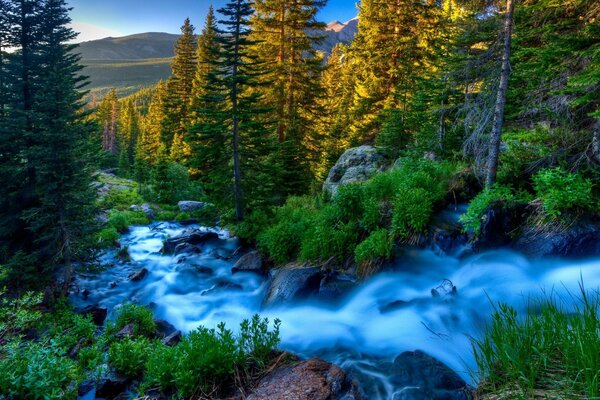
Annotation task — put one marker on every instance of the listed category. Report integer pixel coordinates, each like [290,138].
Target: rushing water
[358,333]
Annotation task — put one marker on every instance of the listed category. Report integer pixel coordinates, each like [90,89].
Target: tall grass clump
[553,349]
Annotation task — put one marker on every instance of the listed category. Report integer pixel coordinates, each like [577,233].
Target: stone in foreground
[355,165]
[312,379]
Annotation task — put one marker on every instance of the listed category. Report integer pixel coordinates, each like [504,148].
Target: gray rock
[581,239]
[355,165]
[190,237]
[427,377]
[249,262]
[138,275]
[146,209]
[189,205]
[312,379]
[173,339]
[97,313]
[292,282]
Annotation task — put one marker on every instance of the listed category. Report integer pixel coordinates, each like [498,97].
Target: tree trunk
[237,185]
[596,141]
[495,135]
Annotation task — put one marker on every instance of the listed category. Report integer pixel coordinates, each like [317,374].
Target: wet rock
[112,284]
[394,305]
[426,378]
[499,224]
[334,286]
[312,379]
[85,293]
[138,275]
[190,237]
[98,313]
[445,290]
[163,328]
[188,205]
[203,270]
[292,282]
[355,165]
[186,248]
[222,253]
[581,239]
[249,262]
[111,385]
[220,286]
[74,352]
[172,339]
[127,331]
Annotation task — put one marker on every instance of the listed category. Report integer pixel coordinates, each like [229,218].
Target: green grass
[553,348]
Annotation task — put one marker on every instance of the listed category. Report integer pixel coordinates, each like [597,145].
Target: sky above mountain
[99,19]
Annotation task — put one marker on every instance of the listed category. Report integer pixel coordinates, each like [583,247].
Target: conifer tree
[107,116]
[153,123]
[179,89]
[129,134]
[285,33]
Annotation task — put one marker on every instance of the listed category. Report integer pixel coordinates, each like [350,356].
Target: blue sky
[101,18]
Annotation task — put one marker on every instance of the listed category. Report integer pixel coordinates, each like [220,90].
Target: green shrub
[31,370]
[554,348]
[137,217]
[172,183]
[562,191]
[281,241]
[141,317]
[121,199]
[324,241]
[348,202]
[18,314]
[129,356]
[412,209]
[90,358]
[472,218]
[107,236]
[377,245]
[65,328]
[166,216]
[119,221]
[208,359]
[252,225]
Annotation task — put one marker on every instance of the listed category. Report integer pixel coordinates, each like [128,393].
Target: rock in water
[189,237]
[188,205]
[292,282]
[138,275]
[312,379]
[581,239]
[98,313]
[424,377]
[355,165]
[250,262]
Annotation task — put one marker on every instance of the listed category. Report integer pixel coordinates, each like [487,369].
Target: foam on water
[357,333]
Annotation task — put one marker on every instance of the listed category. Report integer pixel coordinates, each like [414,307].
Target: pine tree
[285,33]
[107,116]
[58,211]
[153,124]
[179,89]
[129,135]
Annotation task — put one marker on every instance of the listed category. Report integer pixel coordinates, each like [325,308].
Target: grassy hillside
[127,76]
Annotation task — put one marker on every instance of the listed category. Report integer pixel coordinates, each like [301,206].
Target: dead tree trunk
[495,135]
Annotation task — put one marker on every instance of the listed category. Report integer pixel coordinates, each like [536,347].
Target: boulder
[189,206]
[312,379]
[173,339]
[109,386]
[500,224]
[146,209]
[424,377]
[581,239]
[163,328]
[98,313]
[138,275]
[355,165]
[249,262]
[189,237]
[127,331]
[334,286]
[292,282]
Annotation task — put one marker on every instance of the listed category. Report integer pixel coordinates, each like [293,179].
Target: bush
[129,356]
[562,191]
[555,347]
[141,318]
[377,245]
[119,221]
[107,236]
[121,199]
[65,328]
[37,371]
[412,209]
[472,218]
[208,358]
[172,183]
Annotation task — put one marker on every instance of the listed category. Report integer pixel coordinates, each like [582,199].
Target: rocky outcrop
[249,262]
[355,165]
[190,206]
[97,313]
[189,237]
[424,377]
[581,239]
[292,282]
[312,379]
[146,209]
[500,224]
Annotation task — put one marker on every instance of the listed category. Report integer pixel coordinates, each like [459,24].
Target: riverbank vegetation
[552,351]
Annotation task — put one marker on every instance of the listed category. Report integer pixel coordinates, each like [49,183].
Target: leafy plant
[562,191]
[377,245]
[129,356]
[472,218]
[140,317]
